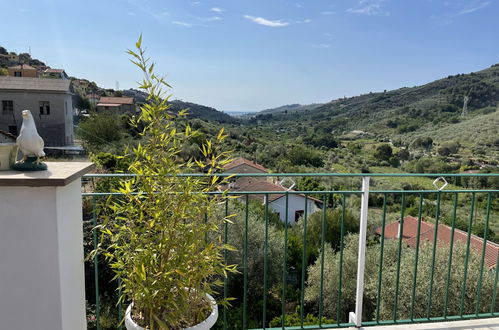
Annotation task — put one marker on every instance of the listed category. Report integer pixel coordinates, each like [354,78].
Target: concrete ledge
[490,323]
[58,174]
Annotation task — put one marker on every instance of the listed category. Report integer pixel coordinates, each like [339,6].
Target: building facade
[49,100]
[276,200]
[117,105]
[22,70]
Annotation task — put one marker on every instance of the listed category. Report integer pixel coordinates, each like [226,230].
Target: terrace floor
[492,323]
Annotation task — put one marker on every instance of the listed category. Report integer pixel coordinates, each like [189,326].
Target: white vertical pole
[362,250]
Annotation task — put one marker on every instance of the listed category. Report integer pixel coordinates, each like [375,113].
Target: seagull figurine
[29,141]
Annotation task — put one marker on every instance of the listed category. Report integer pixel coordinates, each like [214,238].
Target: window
[44,108]
[298,214]
[7,107]
[13,130]
[18,74]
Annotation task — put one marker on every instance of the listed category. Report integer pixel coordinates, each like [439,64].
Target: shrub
[101,131]
[405,283]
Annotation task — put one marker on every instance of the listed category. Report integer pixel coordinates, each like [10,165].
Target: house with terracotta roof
[243,165]
[444,233]
[23,70]
[55,73]
[119,105]
[274,190]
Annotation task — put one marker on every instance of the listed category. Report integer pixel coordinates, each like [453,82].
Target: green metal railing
[382,280]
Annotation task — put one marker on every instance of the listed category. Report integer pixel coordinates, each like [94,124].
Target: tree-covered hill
[202,112]
[403,115]
[195,110]
[288,108]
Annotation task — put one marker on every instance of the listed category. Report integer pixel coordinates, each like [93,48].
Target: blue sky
[239,55]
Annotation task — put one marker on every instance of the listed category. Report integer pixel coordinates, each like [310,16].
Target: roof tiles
[34,84]
[116,100]
[444,233]
[240,161]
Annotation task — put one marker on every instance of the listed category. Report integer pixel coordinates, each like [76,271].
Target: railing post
[364,206]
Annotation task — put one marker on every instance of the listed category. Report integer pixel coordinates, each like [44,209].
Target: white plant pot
[8,153]
[205,325]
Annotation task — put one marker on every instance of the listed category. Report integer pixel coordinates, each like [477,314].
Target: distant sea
[237,113]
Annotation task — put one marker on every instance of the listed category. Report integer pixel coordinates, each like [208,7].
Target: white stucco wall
[41,252]
[295,203]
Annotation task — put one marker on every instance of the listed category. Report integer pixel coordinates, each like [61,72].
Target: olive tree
[432,274]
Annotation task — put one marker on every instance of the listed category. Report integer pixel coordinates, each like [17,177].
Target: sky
[250,55]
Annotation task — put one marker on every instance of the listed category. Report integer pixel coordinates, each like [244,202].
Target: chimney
[399,233]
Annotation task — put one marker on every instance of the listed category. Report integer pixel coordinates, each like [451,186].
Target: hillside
[202,112]
[289,108]
[195,110]
[431,110]
[16,59]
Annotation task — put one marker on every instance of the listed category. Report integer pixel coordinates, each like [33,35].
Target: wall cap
[58,174]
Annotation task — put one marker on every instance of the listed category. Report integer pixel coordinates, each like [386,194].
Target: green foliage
[255,249]
[423,142]
[405,283]
[448,148]
[333,222]
[301,155]
[325,140]
[295,320]
[154,234]
[477,228]
[110,162]
[404,154]
[82,102]
[101,131]
[383,152]
[429,165]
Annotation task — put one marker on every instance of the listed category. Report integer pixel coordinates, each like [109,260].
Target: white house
[276,192]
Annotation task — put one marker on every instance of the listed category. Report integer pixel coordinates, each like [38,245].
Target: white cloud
[322,46]
[327,13]
[214,18]
[459,8]
[184,24]
[369,8]
[266,22]
[131,14]
[195,3]
[146,9]
[216,10]
[473,7]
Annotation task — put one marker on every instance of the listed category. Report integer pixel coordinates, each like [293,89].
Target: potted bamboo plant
[160,235]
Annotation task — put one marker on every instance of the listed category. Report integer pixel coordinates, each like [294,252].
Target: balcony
[365,256]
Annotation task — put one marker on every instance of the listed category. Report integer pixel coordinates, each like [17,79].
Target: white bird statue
[29,141]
